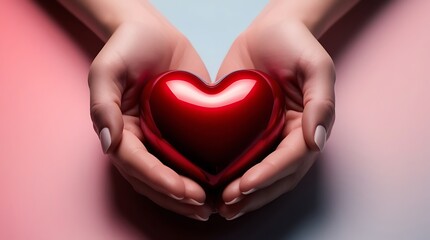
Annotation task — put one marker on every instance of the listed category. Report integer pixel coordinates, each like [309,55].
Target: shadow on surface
[274,221]
[87,41]
[343,33]
[277,220]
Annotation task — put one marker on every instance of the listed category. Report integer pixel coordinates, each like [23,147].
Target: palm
[267,51]
[134,54]
[145,53]
[289,53]
[142,52]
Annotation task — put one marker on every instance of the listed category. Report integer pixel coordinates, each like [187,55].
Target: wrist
[133,13]
[103,17]
[293,12]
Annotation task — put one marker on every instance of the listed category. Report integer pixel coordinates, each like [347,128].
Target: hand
[136,52]
[289,52]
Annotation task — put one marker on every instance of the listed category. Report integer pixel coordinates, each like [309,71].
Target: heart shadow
[280,217]
[83,37]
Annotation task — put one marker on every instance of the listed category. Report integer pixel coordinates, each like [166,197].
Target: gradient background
[371,182]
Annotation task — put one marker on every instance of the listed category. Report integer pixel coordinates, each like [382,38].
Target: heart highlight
[212,133]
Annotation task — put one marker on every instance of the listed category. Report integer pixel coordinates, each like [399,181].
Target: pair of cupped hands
[285,49]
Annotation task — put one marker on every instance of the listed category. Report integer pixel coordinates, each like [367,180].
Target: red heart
[212,133]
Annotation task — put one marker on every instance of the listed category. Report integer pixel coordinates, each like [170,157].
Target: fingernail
[176,197]
[249,191]
[235,200]
[105,139]
[235,216]
[193,202]
[320,137]
[197,217]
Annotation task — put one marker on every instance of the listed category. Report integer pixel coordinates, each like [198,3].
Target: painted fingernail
[235,216]
[176,197]
[320,137]
[197,217]
[249,191]
[193,202]
[235,200]
[105,139]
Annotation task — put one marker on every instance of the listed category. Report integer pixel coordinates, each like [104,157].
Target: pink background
[371,182]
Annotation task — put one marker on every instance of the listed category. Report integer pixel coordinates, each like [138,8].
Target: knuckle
[328,109]
[95,70]
[328,105]
[105,113]
[96,112]
[326,62]
[105,66]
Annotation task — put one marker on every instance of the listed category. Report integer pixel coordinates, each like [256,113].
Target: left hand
[135,53]
[288,52]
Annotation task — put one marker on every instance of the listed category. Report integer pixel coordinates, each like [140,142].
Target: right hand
[136,52]
[286,49]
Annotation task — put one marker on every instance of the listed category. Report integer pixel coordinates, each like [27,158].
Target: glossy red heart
[212,133]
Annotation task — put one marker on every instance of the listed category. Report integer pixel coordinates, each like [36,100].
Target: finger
[319,100]
[198,212]
[256,199]
[284,161]
[132,125]
[138,162]
[194,193]
[232,193]
[104,81]
[264,196]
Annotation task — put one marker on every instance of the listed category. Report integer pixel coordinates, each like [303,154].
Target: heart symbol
[212,133]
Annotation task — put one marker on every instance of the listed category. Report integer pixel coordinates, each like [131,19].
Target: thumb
[319,102]
[105,103]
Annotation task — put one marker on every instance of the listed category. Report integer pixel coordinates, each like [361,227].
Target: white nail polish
[235,216]
[197,217]
[235,200]
[105,139]
[320,137]
[249,191]
[176,197]
[193,202]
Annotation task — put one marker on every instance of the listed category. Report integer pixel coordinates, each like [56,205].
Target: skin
[140,43]
[282,41]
